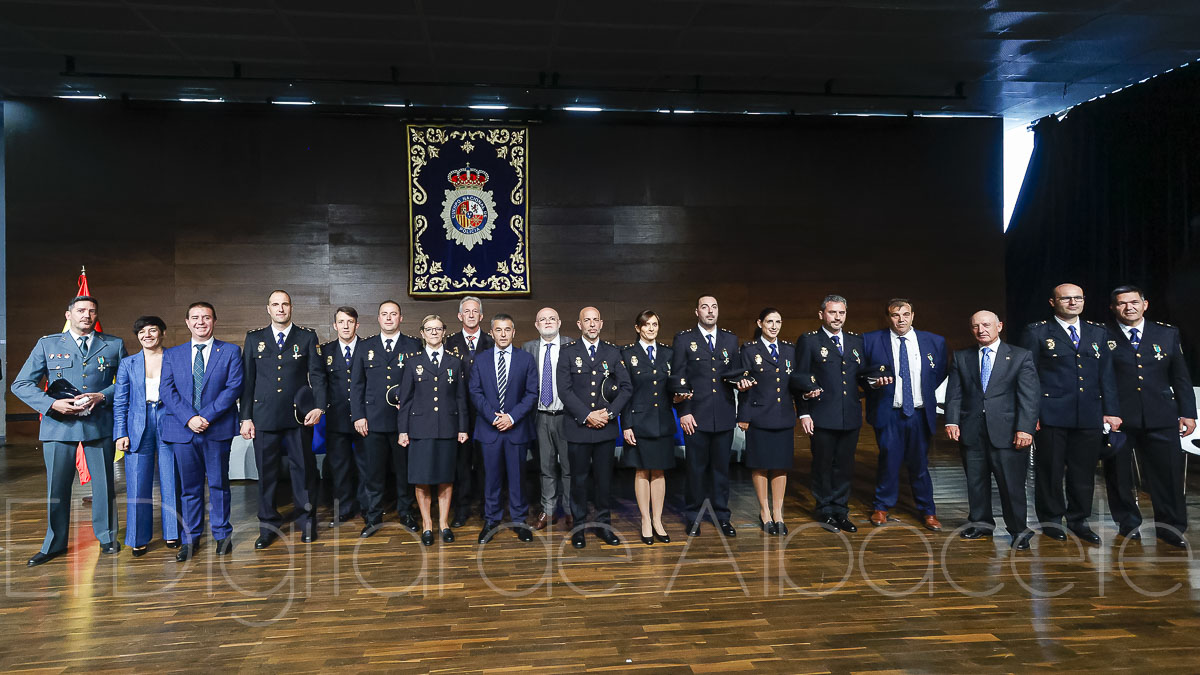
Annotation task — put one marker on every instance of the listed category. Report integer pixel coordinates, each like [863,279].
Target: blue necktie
[906,393]
[837,342]
[198,376]
[279,340]
[711,346]
[546,398]
[434,358]
[501,377]
[774,352]
[650,352]
[985,367]
[347,357]
[592,349]
[387,347]
[1134,338]
[1074,336]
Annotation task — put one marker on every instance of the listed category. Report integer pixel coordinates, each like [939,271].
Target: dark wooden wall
[167,205]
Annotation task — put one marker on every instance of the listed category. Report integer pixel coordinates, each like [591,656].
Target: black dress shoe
[829,523]
[664,538]
[110,548]
[693,528]
[1130,533]
[1168,537]
[578,540]
[488,531]
[1085,533]
[608,536]
[427,537]
[309,536]
[447,535]
[1021,541]
[649,541]
[768,526]
[1054,532]
[369,529]
[974,533]
[409,521]
[225,546]
[844,523]
[780,528]
[264,540]
[459,520]
[139,551]
[524,533]
[173,543]
[40,558]
[185,552]
[727,528]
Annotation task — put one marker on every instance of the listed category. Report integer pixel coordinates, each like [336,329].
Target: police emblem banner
[468,210]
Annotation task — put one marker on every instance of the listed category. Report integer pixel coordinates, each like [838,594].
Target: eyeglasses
[1070,298]
[433,329]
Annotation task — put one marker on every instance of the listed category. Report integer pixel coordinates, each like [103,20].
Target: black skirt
[431,460]
[769,449]
[656,454]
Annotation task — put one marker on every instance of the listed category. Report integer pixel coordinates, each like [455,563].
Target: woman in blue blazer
[138,414]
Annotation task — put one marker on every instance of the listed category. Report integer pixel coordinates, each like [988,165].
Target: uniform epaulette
[785,342]
[50,335]
[304,328]
[750,343]
[662,344]
[723,330]
[253,330]
[628,346]
[811,332]
[849,332]
[1164,325]
[1094,323]
[685,330]
[372,336]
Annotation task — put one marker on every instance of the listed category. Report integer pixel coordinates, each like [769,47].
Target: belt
[550,412]
[156,404]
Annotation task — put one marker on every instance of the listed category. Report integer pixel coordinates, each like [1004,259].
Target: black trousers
[468,478]
[982,462]
[270,447]
[707,466]
[591,466]
[1070,455]
[343,470]
[832,470]
[1161,459]
[381,449]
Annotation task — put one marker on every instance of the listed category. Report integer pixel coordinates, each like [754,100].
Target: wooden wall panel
[166,206]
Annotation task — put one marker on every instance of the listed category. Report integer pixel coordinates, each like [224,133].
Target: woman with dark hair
[432,422]
[767,413]
[648,423]
[138,414]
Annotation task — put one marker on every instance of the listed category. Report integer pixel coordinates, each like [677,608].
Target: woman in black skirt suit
[432,422]
[767,413]
[648,423]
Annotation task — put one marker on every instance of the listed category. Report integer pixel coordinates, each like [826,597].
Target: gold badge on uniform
[578,362]
[824,352]
[1049,343]
[758,359]
[693,346]
[633,360]
[1112,344]
[683,381]
[262,346]
[329,360]
[370,354]
[420,369]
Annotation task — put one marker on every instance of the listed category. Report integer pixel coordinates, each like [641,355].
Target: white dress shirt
[767,343]
[645,344]
[429,351]
[505,354]
[914,368]
[555,348]
[476,336]
[207,353]
[1141,329]
[87,346]
[1067,330]
[704,333]
[995,346]
[352,344]
[276,331]
[587,346]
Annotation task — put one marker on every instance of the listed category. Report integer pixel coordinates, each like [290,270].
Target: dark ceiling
[1021,59]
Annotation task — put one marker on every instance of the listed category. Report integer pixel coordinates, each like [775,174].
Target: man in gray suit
[992,395]
[552,447]
[85,363]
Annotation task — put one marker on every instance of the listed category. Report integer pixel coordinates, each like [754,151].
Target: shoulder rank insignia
[824,352]
[262,346]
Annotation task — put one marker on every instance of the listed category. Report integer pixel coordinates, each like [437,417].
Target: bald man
[552,447]
[992,397]
[1079,396]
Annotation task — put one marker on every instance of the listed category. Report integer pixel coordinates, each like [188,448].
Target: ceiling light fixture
[489,106]
[83,97]
[201,100]
[582,108]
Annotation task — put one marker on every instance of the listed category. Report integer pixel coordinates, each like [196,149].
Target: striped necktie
[198,376]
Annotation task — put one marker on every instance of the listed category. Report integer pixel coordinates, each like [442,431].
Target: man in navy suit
[504,389]
[201,382]
[903,409]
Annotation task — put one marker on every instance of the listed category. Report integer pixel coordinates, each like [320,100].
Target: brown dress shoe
[878,518]
[541,522]
[932,523]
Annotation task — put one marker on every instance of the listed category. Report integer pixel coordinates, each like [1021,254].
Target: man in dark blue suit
[903,409]
[201,382]
[504,391]
[1079,396]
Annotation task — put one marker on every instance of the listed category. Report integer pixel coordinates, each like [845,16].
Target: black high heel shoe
[767,526]
[139,551]
[648,539]
[172,543]
[780,528]
[664,537]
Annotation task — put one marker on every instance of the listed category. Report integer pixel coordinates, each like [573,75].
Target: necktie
[1134,338]
[198,376]
[650,352]
[837,342]
[434,357]
[592,349]
[985,367]
[1074,336]
[906,392]
[279,339]
[711,346]
[774,352]
[471,342]
[387,345]
[546,397]
[83,345]
[347,356]
[501,376]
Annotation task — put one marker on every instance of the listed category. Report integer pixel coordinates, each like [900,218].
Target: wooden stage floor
[892,599]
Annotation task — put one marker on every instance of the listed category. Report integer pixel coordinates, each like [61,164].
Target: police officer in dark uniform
[833,419]
[703,355]
[1079,396]
[468,471]
[593,386]
[279,361]
[1158,405]
[340,437]
[648,425]
[374,371]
